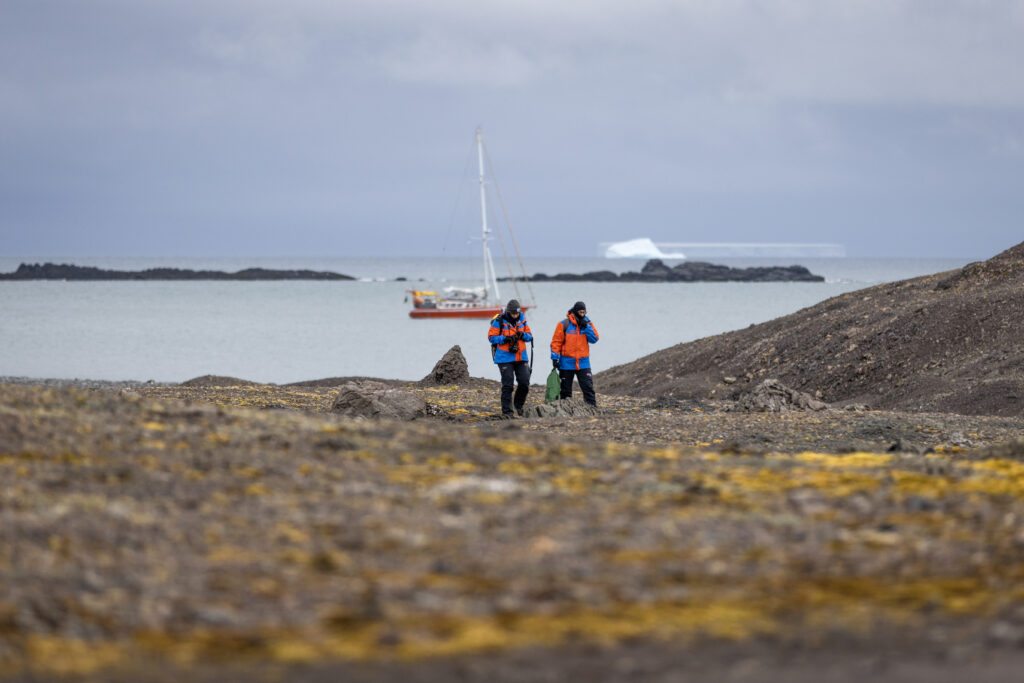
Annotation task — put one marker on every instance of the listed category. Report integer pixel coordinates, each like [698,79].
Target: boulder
[451,369]
[772,396]
[600,276]
[565,407]
[655,269]
[366,398]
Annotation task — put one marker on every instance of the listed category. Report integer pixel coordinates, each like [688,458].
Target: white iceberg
[641,247]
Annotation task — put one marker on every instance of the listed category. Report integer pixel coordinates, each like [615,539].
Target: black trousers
[518,372]
[586,381]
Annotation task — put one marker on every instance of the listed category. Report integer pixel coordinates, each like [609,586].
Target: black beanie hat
[512,306]
[579,306]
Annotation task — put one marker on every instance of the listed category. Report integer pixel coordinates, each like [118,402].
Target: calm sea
[289,331]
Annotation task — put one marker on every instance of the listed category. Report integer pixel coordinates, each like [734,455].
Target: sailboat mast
[490,278]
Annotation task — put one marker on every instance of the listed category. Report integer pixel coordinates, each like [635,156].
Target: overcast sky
[344,127]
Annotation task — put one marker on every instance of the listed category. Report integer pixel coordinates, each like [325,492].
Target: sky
[345,128]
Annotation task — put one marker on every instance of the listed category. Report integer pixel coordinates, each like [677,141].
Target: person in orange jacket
[508,333]
[570,352]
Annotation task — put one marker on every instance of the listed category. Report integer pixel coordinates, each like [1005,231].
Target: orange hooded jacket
[570,346]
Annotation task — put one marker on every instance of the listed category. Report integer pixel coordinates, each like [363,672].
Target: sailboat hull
[463,312]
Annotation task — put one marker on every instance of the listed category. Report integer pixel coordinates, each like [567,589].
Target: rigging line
[501,241]
[508,226]
[458,197]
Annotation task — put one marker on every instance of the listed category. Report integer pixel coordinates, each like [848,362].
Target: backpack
[554,388]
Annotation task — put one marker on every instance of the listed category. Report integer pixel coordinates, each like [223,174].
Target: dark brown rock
[772,396]
[451,369]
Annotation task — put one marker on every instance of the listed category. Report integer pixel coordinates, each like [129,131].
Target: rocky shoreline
[655,270]
[64,271]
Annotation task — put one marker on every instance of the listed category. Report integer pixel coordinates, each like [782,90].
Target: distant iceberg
[639,248]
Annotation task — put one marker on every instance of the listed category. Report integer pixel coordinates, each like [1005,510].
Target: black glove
[519,334]
[554,363]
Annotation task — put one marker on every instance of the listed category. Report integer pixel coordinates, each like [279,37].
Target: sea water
[287,331]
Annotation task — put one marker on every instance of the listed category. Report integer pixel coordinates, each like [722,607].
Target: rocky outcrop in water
[65,271]
[655,270]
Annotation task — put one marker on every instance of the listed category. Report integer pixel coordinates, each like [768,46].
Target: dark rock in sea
[542,277]
[655,270]
[52,271]
[370,399]
[451,369]
[700,271]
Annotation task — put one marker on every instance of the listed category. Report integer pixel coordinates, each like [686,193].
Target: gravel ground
[244,531]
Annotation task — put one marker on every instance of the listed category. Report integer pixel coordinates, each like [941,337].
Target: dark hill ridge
[950,342]
[64,271]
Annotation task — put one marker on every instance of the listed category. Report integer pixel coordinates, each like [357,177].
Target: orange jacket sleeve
[557,341]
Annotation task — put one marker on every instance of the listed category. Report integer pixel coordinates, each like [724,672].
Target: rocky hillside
[949,342]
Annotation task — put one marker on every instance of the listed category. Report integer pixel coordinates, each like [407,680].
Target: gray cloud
[321,127]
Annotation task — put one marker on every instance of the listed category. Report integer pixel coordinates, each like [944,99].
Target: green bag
[554,389]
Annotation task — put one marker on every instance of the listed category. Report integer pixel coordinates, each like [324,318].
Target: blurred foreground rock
[366,398]
[566,407]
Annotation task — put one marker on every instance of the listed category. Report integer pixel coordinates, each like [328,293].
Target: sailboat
[472,302]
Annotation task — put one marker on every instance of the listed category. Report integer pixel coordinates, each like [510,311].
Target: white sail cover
[465,293]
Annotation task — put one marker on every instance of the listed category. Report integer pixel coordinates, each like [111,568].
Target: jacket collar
[572,318]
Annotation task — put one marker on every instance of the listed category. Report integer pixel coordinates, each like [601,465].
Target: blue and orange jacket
[570,347]
[501,329]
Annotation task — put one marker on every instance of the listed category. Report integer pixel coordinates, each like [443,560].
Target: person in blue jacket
[570,352]
[508,333]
